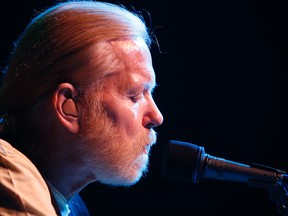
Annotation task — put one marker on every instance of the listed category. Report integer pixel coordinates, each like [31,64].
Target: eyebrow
[154,86]
[150,86]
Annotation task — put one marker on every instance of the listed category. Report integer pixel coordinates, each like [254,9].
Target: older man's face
[118,151]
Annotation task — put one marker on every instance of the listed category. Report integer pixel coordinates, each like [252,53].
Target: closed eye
[136,95]
[135,98]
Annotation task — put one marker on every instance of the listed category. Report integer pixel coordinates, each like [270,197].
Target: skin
[130,106]
[117,136]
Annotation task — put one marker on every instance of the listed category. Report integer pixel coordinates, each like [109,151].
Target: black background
[221,70]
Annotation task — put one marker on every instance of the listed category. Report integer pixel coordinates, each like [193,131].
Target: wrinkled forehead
[136,49]
[136,58]
[122,62]
[135,62]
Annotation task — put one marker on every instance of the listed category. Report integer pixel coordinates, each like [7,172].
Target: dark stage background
[221,68]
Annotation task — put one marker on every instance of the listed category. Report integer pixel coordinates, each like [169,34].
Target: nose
[153,116]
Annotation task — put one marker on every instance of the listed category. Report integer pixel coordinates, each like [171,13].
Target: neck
[67,174]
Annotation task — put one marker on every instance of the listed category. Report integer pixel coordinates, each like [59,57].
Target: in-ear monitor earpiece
[69,108]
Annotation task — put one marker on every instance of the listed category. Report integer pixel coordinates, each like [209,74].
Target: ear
[65,107]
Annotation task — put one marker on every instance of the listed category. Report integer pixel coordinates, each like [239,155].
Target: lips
[152,140]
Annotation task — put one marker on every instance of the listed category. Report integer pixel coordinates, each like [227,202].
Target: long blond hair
[54,49]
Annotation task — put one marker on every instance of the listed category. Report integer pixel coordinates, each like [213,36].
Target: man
[76,107]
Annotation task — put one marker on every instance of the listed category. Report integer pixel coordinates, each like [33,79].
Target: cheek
[126,117]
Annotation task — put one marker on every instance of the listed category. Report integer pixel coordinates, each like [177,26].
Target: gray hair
[53,49]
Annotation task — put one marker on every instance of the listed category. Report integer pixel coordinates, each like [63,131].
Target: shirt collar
[60,200]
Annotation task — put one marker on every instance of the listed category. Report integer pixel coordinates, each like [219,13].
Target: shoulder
[22,188]
[14,164]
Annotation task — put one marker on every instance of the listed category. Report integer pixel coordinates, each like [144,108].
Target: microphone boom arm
[188,162]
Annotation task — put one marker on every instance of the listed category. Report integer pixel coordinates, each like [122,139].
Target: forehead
[136,62]
[132,50]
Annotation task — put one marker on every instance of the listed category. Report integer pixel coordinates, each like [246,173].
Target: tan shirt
[23,191]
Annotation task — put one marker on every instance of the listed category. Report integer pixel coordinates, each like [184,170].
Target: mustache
[152,137]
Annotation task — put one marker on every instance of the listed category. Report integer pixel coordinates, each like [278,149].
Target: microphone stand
[278,189]
[206,166]
[279,195]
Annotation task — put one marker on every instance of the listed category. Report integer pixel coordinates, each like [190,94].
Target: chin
[123,182]
[130,176]
[140,169]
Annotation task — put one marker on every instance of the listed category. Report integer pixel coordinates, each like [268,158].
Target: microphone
[187,162]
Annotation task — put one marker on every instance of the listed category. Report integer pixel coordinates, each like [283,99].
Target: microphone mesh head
[181,161]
